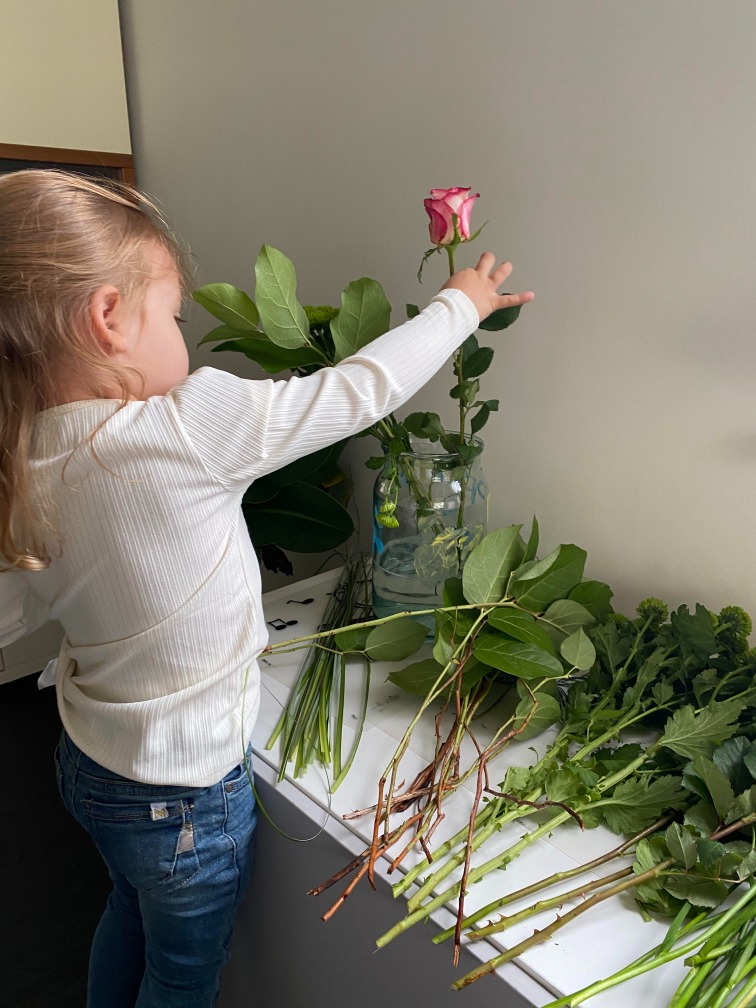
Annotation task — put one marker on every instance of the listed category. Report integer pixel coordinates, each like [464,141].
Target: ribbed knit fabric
[157,585]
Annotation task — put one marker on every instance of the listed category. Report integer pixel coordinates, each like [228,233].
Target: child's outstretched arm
[481,284]
[245,428]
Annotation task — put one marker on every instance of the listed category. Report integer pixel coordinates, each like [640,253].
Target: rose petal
[464,213]
[441,227]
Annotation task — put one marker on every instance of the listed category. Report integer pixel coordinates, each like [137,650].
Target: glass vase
[430,509]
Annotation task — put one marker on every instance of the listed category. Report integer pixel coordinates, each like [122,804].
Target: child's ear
[106,309]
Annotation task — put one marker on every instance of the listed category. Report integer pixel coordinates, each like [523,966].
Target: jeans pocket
[151,844]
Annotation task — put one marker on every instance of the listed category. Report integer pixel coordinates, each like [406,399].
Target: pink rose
[441,206]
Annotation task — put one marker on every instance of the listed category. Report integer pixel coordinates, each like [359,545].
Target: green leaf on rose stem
[716,783]
[480,419]
[412,311]
[689,733]
[523,661]
[229,305]
[551,578]
[364,316]
[595,596]
[477,363]
[531,550]
[283,317]
[500,319]
[270,357]
[567,616]
[487,569]
[466,391]
[301,518]
[578,651]
[749,761]
[375,462]
[682,845]
[424,425]
[522,626]
[396,640]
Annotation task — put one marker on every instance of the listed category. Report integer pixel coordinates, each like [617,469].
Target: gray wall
[614,146]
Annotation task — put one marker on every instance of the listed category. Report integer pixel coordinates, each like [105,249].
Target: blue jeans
[179,859]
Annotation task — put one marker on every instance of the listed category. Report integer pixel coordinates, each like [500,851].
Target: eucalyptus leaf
[283,317]
[412,311]
[486,572]
[365,314]
[229,305]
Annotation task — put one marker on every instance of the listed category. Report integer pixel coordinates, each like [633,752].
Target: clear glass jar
[429,510]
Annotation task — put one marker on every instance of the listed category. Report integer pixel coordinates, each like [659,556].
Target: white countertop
[607,938]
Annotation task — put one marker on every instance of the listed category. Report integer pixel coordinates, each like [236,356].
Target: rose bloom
[440,207]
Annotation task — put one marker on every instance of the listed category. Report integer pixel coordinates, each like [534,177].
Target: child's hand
[480,285]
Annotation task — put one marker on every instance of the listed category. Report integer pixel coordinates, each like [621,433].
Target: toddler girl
[121,477]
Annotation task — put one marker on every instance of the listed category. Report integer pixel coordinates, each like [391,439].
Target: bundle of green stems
[311,723]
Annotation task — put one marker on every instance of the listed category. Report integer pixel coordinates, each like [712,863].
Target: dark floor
[53,883]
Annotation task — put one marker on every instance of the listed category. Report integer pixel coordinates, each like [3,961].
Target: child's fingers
[512,300]
[485,266]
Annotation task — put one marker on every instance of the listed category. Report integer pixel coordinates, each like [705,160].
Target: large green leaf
[523,661]
[595,596]
[567,616]
[417,678]
[522,626]
[301,518]
[691,733]
[395,640]
[551,578]
[365,314]
[228,304]
[578,651]
[487,569]
[501,319]
[301,470]
[547,713]
[269,356]
[283,317]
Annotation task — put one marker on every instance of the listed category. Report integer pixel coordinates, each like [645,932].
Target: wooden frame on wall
[105,164]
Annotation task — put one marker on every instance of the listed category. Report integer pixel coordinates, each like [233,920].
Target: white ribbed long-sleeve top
[157,585]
